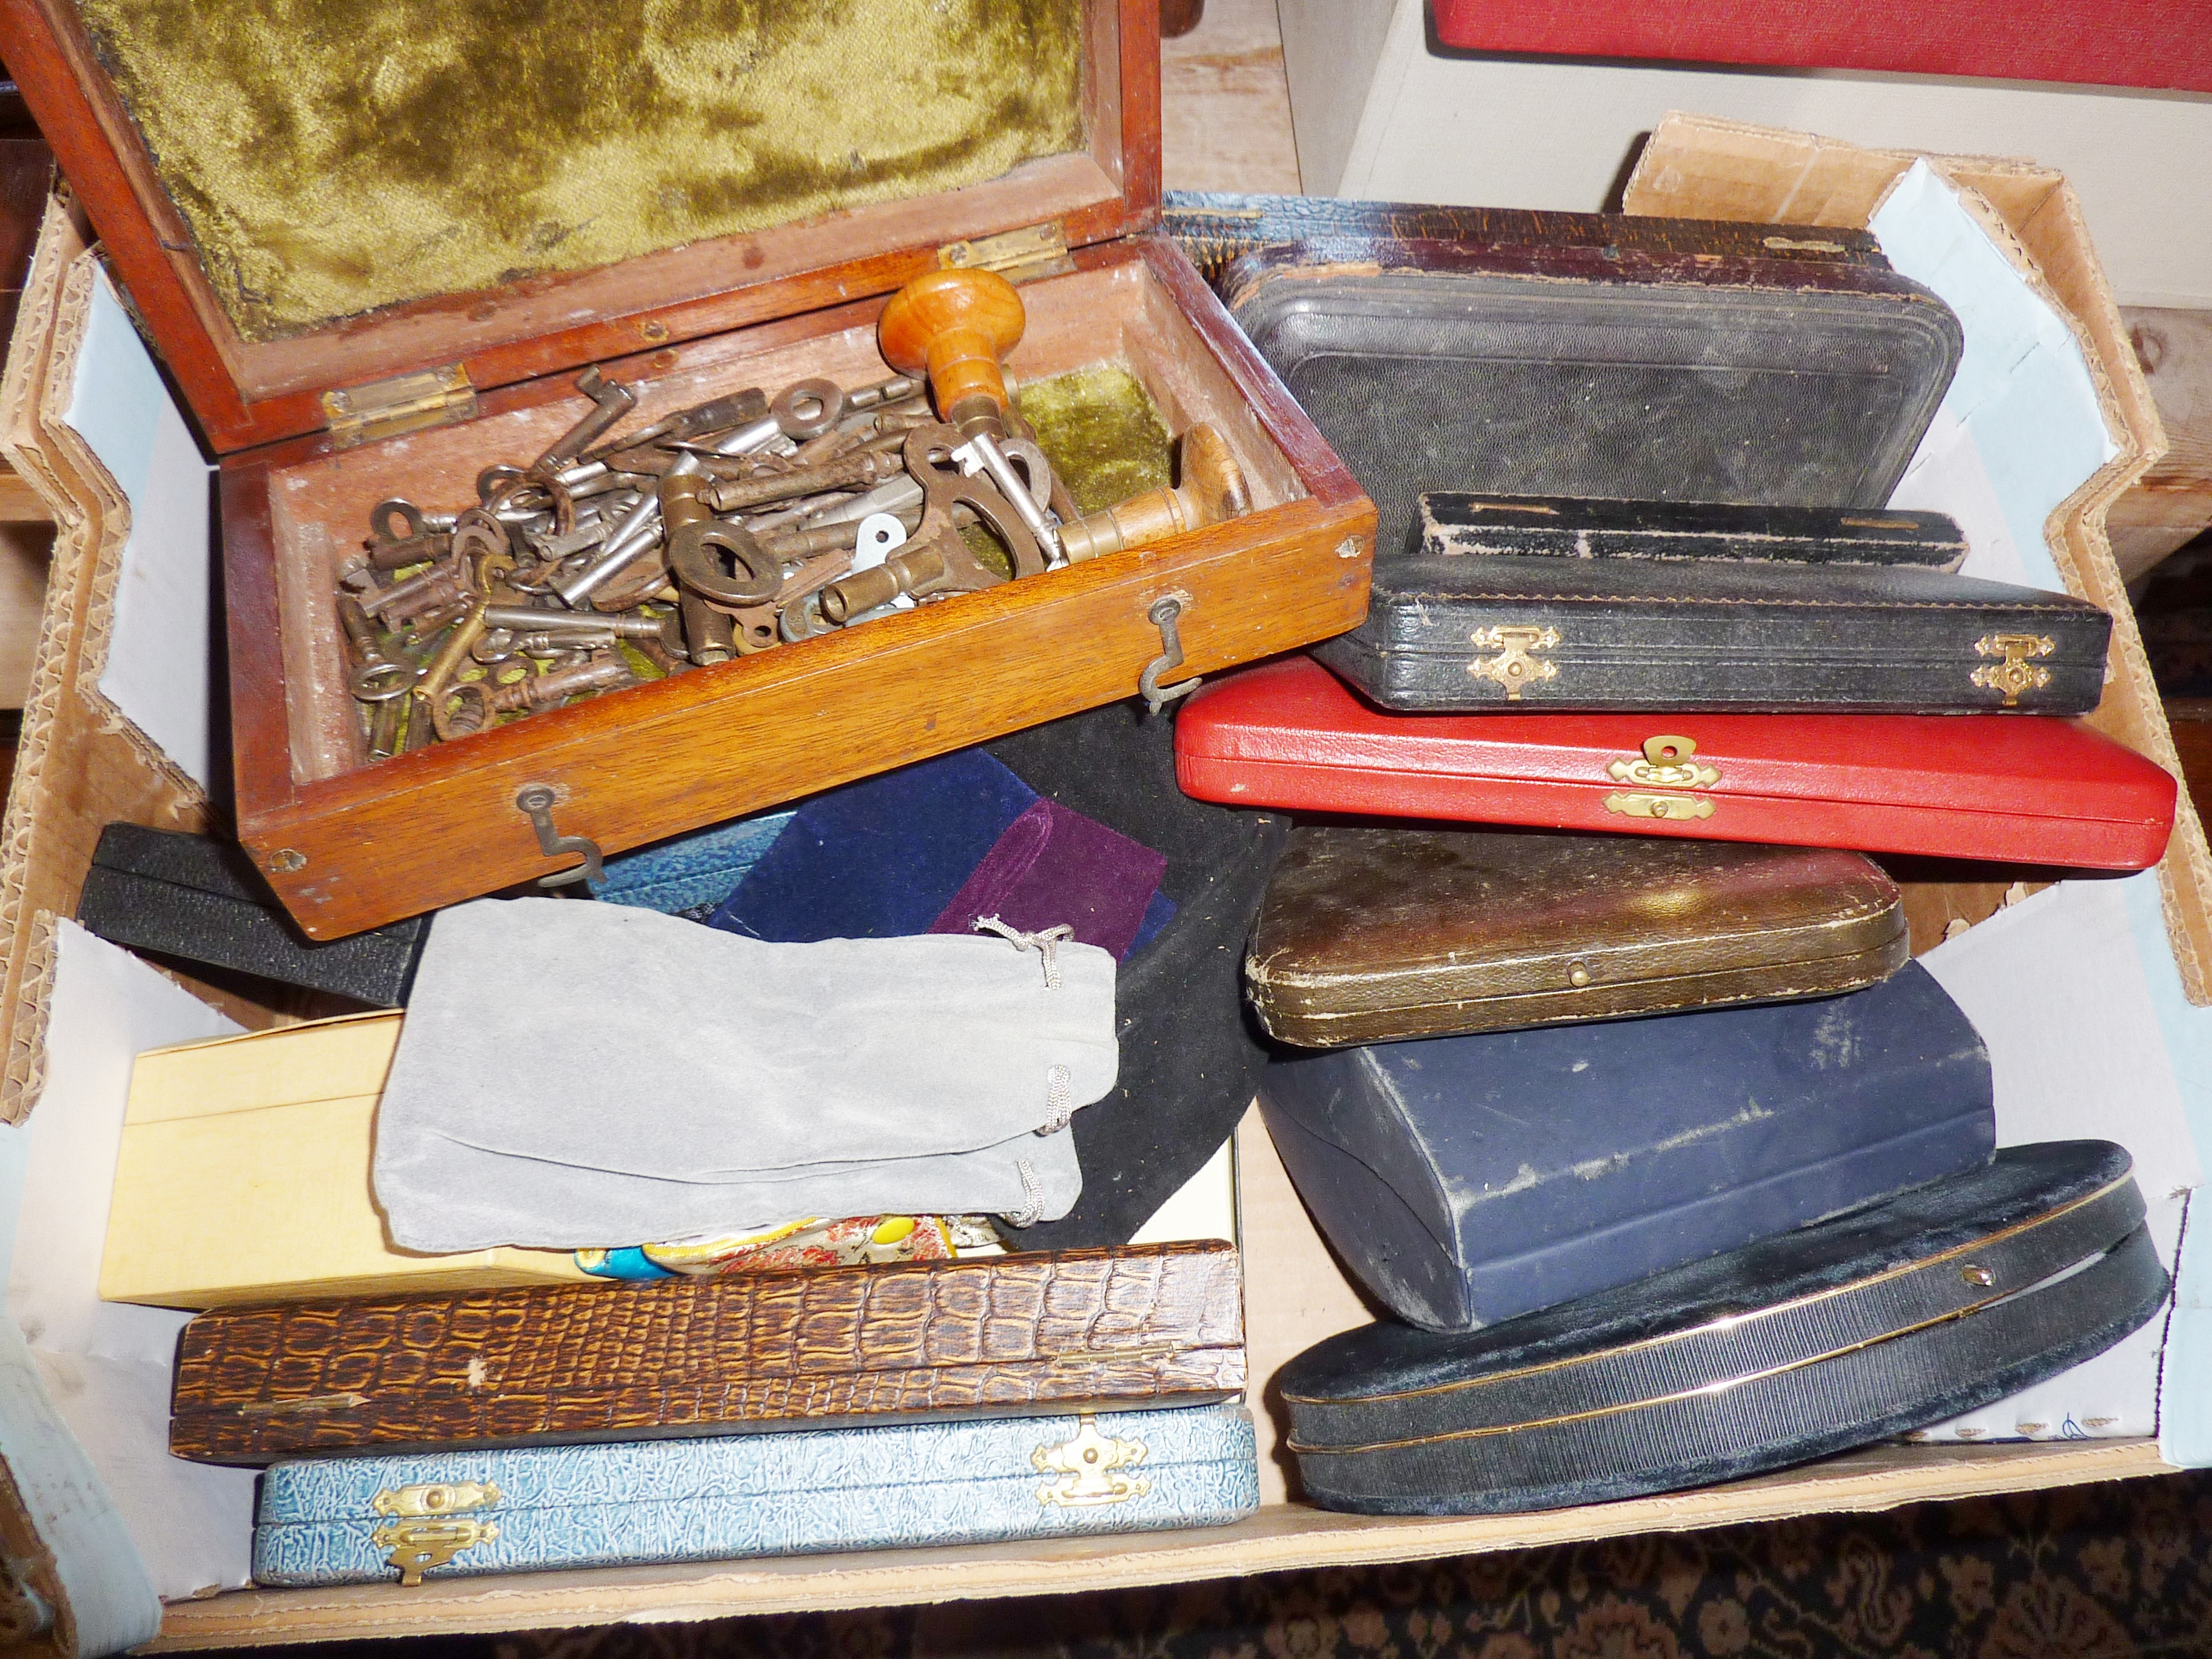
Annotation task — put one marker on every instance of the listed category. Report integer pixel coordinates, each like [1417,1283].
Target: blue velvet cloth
[879,859]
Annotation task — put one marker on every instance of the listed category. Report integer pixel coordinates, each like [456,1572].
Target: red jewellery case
[2019,789]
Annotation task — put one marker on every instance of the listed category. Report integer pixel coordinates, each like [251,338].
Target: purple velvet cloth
[1053,865]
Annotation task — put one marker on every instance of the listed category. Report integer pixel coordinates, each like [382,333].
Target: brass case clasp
[1092,1470]
[427,1529]
[1639,806]
[1666,765]
[1516,664]
[2016,674]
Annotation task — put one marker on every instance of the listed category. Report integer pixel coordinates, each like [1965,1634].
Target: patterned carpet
[2085,1572]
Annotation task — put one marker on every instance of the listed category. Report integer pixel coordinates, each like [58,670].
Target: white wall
[1378,116]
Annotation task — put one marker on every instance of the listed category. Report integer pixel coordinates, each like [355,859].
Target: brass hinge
[405,403]
[1019,256]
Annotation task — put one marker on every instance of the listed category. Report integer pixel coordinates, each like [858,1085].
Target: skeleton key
[937,559]
[611,402]
[1028,487]
[737,409]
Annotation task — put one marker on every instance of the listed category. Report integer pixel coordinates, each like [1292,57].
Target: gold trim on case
[1516,664]
[1706,1390]
[2016,674]
[1090,1466]
[1901,1270]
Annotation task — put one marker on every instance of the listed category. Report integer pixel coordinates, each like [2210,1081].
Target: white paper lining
[106,1366]
[2075,991]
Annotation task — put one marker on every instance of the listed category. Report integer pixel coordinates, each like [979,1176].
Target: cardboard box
[110,1006]
[243,1176]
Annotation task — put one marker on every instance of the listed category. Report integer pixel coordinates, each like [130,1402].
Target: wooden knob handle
[956,324]
[1213,489]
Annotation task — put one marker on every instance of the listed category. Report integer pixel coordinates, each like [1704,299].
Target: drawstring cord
[1032,1194]
[1059,1080]
[1045,942]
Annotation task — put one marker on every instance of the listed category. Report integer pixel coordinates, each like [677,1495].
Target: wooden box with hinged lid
[375,255]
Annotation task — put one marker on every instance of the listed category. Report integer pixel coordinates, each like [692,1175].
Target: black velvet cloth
[1189,1059]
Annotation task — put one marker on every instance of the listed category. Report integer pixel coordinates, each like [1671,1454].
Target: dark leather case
[198,900]
[1466,1180]
[1452,628]
[1592,371]
[1150,1325]
[1590,527]
[1375,934]
[1935,1302]
[1217,228]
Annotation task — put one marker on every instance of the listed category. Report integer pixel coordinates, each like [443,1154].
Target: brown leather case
[1142,1326]
[1370,935]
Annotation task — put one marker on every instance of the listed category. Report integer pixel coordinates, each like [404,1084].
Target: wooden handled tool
[1212,488]
[956,324]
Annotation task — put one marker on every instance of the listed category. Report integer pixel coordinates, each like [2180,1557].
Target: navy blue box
[1465,1180]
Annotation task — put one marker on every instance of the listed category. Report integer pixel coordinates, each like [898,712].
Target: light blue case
[357,1520]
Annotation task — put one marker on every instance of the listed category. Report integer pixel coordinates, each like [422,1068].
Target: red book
[2019,789]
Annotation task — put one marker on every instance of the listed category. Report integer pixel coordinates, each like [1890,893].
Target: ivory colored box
[243,1176]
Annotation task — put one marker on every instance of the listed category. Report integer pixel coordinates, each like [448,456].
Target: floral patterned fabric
[2083,1572]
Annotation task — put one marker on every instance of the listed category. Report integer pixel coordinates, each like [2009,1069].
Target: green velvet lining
[1103,436]
[334,156]
[1101,431]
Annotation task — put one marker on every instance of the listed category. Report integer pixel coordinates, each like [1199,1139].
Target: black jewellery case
[1592,607]
[1601,370]
[1937,1302]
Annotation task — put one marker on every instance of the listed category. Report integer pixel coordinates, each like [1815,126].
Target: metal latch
[1090,1468]
[1517,663]
[429,1526]
[535,802]
[2016,674]
[1019,256]
[405,403]
[1666,765]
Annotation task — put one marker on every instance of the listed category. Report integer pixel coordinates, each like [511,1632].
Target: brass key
[937,559]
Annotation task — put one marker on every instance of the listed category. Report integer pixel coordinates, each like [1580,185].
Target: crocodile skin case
[1805,1344]
[360,1520]
[1377,933]
[1594,371]
[1145,1325]
[1453,625]
[1465,1180]
[2027,789]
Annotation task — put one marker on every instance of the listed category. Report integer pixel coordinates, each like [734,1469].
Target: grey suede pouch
[659,1079]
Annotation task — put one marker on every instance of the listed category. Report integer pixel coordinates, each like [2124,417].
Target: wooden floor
[1225,104]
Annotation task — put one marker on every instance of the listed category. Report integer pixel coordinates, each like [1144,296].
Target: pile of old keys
[729,528]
